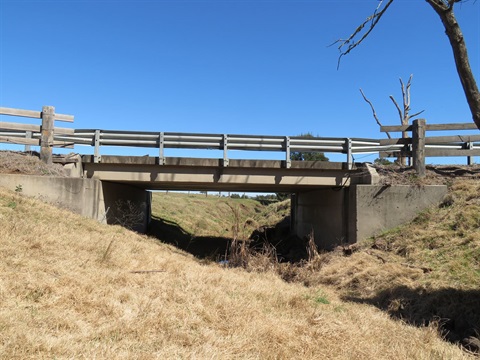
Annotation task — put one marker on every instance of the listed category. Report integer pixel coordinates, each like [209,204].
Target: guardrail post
[161,155]
[28,135]
[288,160]
[96,154]
[225,150]
[46,138]
[470,158]
[348,143]
[418,146]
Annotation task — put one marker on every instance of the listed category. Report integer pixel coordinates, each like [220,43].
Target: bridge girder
[211,175]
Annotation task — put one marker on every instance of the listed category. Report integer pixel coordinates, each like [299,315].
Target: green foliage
[319,298]
[382,161]
[308,156]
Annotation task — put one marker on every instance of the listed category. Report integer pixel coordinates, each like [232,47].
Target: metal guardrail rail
[224,142]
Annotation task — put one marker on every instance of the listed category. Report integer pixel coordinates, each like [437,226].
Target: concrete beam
[210,174]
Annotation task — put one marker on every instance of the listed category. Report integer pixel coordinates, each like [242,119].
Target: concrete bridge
[340,202]
[339,205]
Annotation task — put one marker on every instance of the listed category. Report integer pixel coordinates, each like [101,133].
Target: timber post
[46,138]
[418,146]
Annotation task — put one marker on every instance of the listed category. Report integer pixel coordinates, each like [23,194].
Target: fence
[45,135]
[417,146]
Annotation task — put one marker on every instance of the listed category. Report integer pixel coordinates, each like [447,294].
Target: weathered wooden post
[418,146]
[46,138]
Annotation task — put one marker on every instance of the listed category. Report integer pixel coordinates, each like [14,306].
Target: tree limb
[416,114]
[398,108]
[460,54]
[374,112]
[351,43]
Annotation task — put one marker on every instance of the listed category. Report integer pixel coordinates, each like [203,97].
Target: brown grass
[67,290]
[14,162]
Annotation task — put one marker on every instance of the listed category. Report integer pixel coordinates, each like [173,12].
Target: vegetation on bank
[73,288]
[425,272]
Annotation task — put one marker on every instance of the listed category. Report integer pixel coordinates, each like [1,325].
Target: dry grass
[425,272]
[14,162]
[201,215]
[67,290]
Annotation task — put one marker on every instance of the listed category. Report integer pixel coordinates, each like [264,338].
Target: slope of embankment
[73,288]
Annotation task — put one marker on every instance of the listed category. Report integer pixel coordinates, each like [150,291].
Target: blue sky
[237,67]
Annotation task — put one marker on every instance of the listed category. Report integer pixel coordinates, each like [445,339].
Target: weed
[108,251]
[19,188]
[312,249]
[322,300]
[319,298]
[127,214]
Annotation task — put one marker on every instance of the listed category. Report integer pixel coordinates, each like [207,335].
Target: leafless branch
[416,114]
[372,21]
[398,108]
[406,97]
[373,111]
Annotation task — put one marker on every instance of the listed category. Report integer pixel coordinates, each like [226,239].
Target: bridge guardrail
[164,140]
[48,136]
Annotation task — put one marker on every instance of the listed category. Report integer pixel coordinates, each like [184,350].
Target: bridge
[339,202]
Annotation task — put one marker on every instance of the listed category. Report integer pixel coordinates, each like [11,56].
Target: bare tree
[403,112]
[444,9]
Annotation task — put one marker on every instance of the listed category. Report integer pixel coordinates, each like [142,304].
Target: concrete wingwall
[339,216]
[102,201]
[376,208]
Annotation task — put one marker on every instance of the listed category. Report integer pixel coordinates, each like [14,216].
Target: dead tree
[403,112]
[444,9]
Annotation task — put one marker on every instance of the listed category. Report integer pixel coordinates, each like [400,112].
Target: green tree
[308,156]
[383,161]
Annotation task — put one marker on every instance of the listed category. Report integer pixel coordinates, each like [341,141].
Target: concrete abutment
[339,216]
[104,201]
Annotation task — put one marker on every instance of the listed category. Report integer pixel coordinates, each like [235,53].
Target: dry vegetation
[14,162]
[73,288]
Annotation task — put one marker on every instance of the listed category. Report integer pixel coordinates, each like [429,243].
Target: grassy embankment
[73,288]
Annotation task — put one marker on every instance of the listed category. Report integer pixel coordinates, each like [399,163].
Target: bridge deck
[210,174]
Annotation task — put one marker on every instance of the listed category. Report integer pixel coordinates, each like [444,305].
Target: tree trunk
[457,42]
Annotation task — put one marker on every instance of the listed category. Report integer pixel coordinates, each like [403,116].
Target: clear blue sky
[220,66]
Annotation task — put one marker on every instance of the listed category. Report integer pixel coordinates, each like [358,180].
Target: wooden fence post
[418,146]
[46,138]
